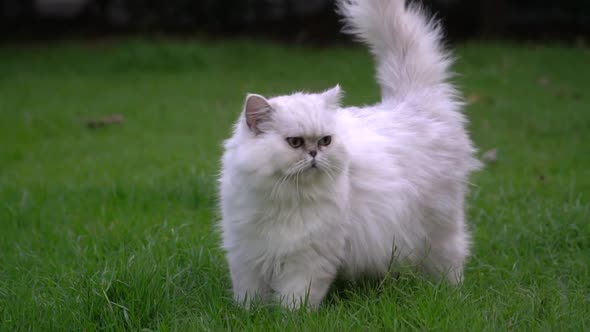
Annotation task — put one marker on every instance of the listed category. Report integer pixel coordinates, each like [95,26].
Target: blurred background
[305,21]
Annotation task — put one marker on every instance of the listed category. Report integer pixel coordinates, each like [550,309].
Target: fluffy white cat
[310,190]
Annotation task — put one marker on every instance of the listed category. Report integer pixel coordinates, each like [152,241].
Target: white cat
[310,190]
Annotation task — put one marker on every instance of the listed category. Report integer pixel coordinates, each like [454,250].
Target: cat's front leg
[303,282]
[248,285]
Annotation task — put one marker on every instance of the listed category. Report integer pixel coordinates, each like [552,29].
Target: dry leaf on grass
[106,121]
[477,98]
[473,98]
[490,156]
[544,81]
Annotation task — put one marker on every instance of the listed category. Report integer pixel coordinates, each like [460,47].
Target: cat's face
[296,137]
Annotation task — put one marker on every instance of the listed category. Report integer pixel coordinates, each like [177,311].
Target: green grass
[113,228]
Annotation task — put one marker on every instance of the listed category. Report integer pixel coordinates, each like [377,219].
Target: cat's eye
[325,141]
[295,142]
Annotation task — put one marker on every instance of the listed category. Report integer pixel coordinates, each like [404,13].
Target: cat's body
[310,190]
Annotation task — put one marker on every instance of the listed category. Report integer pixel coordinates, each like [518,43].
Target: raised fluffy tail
[405,42]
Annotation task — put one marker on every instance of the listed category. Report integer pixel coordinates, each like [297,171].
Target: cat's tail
[405,42]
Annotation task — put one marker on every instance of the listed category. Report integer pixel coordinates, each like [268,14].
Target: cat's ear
[333,96]
[257,111]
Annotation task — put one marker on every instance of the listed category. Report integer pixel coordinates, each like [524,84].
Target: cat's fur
[392,181]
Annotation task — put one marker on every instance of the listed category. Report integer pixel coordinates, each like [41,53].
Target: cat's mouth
[309,168]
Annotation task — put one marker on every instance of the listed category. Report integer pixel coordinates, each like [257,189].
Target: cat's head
[298,135]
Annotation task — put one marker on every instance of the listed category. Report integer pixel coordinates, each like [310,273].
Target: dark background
[305,21]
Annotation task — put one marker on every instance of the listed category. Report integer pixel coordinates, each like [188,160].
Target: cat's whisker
[271,194]
[292,173]
[325,168]
[285,178]
[297,181]
[277,186]
[334,167]
[329,175]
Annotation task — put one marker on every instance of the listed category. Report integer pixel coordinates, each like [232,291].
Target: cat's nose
[313,153]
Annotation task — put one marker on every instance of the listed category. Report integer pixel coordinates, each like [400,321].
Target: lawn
[114,228]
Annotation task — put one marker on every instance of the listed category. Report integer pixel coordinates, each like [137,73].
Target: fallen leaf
[106,121]
[544,81]
[490,156]
[473,98]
